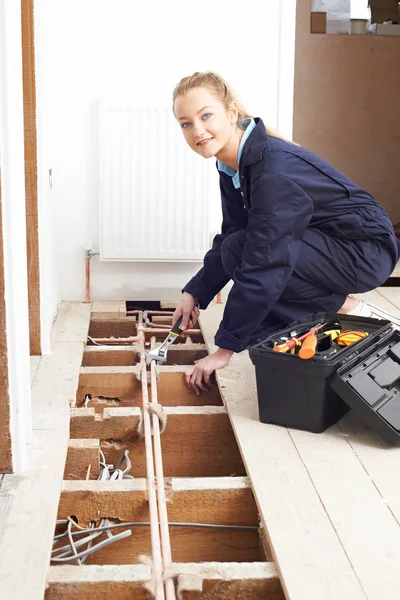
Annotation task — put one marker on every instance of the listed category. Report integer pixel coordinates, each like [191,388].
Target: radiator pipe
[89,252]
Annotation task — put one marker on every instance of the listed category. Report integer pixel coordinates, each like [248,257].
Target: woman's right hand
[187,310]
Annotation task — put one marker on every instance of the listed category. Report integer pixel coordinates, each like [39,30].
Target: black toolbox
[314,394]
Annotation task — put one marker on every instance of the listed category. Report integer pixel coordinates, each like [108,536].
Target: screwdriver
[293,342]
[309,346]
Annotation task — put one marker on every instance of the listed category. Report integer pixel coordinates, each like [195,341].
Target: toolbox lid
[368,380]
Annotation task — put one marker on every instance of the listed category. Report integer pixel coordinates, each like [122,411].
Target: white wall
[88,49]
[14,230]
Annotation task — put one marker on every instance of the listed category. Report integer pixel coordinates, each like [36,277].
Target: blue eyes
[205,117]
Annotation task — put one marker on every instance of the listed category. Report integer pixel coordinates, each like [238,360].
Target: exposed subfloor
[327,504]
[204,478]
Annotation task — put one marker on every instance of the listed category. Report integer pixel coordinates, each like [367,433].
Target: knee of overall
[232,251]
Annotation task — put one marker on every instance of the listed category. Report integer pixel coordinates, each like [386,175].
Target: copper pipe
[87,261]
[158,325]
[154,529]
[112,341]
[130,339]
[164,313]
[154,325]
[162,502]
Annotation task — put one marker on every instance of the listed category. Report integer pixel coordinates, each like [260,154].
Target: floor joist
[258,581]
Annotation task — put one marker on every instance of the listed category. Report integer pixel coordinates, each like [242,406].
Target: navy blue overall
[296,239]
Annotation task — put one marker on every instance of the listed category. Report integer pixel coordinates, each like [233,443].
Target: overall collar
[254,146]
[247,125]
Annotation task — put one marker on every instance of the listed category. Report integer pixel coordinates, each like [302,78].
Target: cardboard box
[383,10]
[318,22]
[380,29]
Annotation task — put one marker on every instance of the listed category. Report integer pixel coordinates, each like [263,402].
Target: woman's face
[206,124]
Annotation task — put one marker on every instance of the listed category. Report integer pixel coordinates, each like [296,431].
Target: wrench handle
[176,328]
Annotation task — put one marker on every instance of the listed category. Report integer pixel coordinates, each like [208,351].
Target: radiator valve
[89,252]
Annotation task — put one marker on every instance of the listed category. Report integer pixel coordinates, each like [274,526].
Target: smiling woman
[208,130]
[297,235]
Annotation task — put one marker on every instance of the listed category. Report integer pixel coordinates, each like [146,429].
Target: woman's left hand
[198,377]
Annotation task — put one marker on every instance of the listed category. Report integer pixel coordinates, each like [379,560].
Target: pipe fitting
[89,253]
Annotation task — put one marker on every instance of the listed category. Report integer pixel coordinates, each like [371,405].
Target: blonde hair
[222,90]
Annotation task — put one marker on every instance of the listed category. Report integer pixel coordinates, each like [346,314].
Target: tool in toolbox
[297,340]
[318,340]
[159,354]
[314,343]
[294,341]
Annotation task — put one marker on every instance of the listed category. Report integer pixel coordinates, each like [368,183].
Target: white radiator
[154,190]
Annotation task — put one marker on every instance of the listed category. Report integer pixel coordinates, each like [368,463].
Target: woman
[297,235]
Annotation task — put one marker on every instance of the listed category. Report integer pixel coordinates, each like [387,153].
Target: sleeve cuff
[199,291]
[225,340]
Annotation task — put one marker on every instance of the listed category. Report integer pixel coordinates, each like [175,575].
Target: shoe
[373,312]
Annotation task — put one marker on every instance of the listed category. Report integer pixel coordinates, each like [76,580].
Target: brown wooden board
[32,225]
[6,462]
[346,105]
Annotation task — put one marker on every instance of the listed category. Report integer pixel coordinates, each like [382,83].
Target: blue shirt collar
[248,125]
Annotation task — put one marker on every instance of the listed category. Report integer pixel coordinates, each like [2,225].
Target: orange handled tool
[308,347]
[293,342]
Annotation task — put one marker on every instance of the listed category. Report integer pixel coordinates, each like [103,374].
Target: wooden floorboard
[365,526]
[308,552]
[330,502]
[34,362]
[72,322]
[55,385]
[387,299]
[28,504]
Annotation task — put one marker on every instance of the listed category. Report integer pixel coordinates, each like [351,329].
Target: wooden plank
[307,551]
[31,193]
[226,581]
[34,360]
[93,582]
[339,125]
[391,295]
[72,322]
[112,327]
[95,356]
[75,468]
[108,310]
[55,385]
[6,461]
[367,529]
[218,500]
[28,511]
[125,502]
[112,423]
[28,505]
[384,298]
[258,581]
[380,460]
[197,442]
[121,385]
[182,354]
